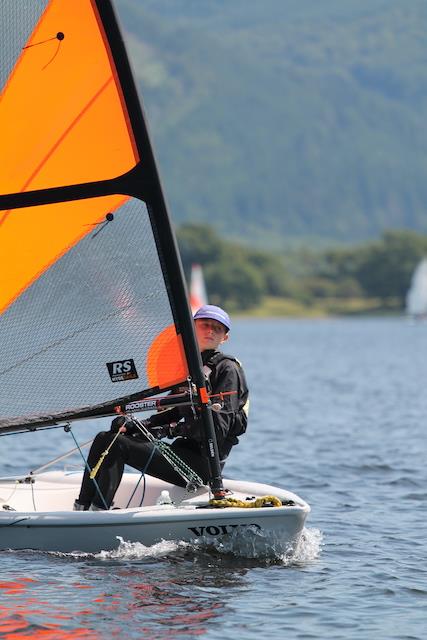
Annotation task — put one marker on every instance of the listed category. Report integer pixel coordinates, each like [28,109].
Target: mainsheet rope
[187,473]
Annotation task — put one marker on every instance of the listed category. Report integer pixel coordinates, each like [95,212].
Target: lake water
[338,415]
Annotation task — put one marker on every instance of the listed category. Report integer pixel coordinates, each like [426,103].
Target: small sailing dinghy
[94,310]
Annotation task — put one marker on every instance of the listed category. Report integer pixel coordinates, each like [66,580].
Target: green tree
[386,266]
[235,284]
[236,276]
[198,243]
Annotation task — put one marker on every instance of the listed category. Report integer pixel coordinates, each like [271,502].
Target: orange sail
[63,119]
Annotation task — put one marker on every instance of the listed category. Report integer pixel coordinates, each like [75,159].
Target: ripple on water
[356,452]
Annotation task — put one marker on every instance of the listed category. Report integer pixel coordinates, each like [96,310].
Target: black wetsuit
[223,374]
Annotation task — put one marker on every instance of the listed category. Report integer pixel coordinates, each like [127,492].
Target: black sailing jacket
[223,373]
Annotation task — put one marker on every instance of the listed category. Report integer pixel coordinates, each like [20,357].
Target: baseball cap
[213,313]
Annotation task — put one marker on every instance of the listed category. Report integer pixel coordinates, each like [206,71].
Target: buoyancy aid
[211,370]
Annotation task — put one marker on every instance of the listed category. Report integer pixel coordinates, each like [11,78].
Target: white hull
[38,515]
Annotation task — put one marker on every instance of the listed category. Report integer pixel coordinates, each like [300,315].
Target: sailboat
[416,299]
[198,293]
[95,317]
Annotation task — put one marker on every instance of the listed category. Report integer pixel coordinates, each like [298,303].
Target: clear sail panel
[86,314]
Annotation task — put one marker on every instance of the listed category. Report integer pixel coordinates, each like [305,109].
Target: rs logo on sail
[219,529]
[122,370]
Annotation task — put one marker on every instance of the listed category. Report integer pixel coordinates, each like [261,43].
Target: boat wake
[308,548]
[138,551]
[250,544]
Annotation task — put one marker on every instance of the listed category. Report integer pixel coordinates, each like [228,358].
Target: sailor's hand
[180,428]
[171,430]
[162,431]
[121,424]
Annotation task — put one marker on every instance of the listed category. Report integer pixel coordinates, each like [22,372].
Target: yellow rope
[259,502]
[101,459]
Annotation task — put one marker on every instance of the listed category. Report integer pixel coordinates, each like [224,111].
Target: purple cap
[214,313]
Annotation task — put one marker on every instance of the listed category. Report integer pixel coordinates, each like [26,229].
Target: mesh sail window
[92,300]
[103,301]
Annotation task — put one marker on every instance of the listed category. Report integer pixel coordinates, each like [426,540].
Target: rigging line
[183,469]
[53,57]
[59,458]
[59,36]
[190,393]
[181,396]
[142,475]
[32,496]
[7,500]
[140,478]
[180,466]
[89,471]
[102,456]
[108,218]
[105,453]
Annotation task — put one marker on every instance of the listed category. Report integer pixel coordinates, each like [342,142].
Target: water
[338,415]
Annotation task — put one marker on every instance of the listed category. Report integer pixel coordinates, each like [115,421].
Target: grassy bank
[286,307]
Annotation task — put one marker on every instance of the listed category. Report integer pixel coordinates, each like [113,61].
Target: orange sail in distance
[198,295]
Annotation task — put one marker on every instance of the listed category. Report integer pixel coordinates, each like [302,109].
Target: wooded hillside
[287,121]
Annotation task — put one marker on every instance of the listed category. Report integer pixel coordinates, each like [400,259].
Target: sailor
[223,374]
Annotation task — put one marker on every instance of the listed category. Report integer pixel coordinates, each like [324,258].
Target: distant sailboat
[198,294]
[416,299]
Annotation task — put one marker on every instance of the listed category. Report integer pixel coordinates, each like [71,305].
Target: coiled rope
[271,501]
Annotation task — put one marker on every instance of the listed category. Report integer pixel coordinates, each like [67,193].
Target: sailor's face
[210,333]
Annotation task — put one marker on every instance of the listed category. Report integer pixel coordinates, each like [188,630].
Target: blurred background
[292,145]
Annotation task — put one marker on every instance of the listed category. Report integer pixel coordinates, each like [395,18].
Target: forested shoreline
[372,277]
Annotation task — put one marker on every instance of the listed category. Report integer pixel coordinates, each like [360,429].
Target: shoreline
[327,308]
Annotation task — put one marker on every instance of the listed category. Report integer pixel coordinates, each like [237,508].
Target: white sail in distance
[198,293]
[416,299]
